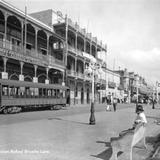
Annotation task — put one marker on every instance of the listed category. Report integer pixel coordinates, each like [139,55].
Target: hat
[140,108]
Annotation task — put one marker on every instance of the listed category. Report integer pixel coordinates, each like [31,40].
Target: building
[29,49]
[81,50]
[46,47]
[135,86]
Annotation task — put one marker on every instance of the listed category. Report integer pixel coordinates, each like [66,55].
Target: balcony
[111,84]
[80,53]
[80,75]
[87,78]
[102,81]
[29,56]
[72,49]
[71,73]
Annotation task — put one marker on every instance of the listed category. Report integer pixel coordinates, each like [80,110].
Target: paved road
[47,114]
[66,135]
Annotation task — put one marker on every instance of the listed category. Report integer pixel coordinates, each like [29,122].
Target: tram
[18,95]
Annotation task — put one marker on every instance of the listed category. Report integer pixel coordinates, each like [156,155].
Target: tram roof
[31,84]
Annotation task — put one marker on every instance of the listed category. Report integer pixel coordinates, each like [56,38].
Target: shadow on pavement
[154,142]
[60,119]
[106,154]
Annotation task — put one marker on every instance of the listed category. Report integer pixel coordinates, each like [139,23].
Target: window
[58,93]
[61,45]
[40,92]
[28,46]
[61,93]
[43,51]
[36,92]
[5,90]
[27,91]
[49,92]
[64,94]
[1,40]
[44,92]
[55,45]
[54,93]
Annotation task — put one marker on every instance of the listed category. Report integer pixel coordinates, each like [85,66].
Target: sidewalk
[70,137]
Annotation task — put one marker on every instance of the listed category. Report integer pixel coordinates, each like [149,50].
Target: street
[46,114]
[67,135]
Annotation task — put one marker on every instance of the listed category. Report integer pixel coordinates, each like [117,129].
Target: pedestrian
[108,104]
[114,104]
[153,103]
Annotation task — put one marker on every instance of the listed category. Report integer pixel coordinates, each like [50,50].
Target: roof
[31,84]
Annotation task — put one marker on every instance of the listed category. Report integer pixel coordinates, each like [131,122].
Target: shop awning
[111,84]
[120,87]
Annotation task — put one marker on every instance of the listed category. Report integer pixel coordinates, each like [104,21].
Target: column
[21,76]
[76,43]
[47,80]
[36,31]
[75,67]
[96,51]
[66,37]
[84,44]
[75,91]
[23,38]
[90,48]
[4,73]
[63,83]
[5,30]
[47,44]
[35,79]
[84,93]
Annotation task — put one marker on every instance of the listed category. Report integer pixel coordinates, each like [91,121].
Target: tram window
[11,91]
[5,90]
[49,93]
[44,92]
[27,91]
[40,92]
[16,91]
[58,93]
[54,93]
[32,92]
[21,91]
[64,94]
[36,92]
[61,93]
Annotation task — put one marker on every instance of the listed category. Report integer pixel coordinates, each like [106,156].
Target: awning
[120,87]
[111,84]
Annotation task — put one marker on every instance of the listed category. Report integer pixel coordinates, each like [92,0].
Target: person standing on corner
[115,104]
[153,103]
[108,104]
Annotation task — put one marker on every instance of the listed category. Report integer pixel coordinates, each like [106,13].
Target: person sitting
[139,120]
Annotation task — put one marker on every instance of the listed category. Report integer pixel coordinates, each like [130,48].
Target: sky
[130,28]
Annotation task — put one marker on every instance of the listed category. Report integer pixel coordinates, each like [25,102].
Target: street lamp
[92,120]
[91,70]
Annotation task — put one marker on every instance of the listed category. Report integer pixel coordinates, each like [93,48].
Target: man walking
[114,104]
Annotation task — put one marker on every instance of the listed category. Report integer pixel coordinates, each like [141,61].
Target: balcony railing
[80,53]
[87,78]
[71,73]
[71,49]
[10,50]
[80,75]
